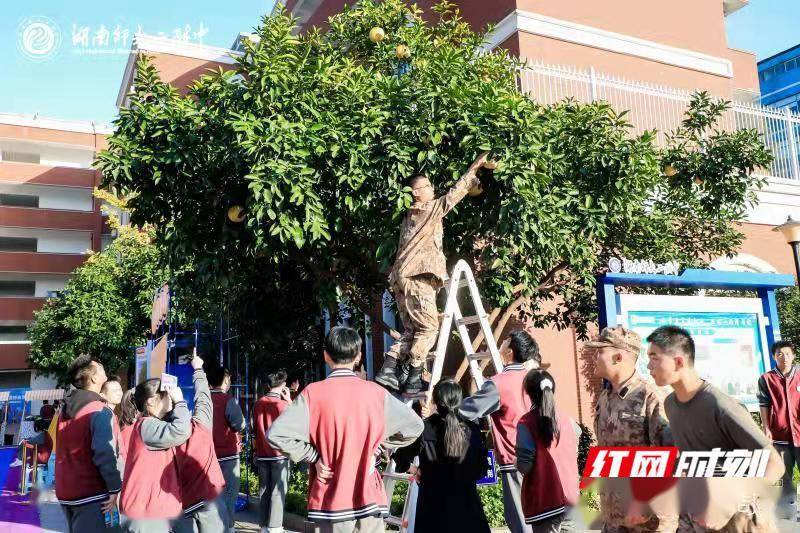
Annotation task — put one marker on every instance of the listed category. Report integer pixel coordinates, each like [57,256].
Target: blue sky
[81,82]
[80,78]
[765,27]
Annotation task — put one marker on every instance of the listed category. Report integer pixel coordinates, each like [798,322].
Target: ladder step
[479,356]
[460,285]
[474,319]
[394,521]
[398,476]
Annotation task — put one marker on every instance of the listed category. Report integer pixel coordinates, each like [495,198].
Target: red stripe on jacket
[553,481]
[346,426]
[200,474]
[513,404]
[226,440]
[77,477]
[125,441]
[783,420]
[266,410]
[151,488]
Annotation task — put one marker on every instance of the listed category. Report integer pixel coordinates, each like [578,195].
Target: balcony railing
[32,174]
[40,262]
[44,218]
[660,108]
[19,307]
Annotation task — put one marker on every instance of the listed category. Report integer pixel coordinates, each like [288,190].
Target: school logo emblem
[38,38]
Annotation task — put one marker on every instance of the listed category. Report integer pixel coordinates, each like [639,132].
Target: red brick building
[49,222]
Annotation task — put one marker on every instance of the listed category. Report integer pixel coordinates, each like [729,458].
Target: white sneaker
[16,463]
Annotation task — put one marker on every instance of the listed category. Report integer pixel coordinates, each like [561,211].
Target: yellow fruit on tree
[377,34]
[670,171]
[236,214]
[402,51]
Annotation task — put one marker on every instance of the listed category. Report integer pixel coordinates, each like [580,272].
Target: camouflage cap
[618,337]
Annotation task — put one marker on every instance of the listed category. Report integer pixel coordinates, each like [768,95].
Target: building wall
[779,78]
[181,71]
[688,24]
[50,160]
[552,51]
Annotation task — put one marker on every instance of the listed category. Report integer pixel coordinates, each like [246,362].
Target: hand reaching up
[197,363]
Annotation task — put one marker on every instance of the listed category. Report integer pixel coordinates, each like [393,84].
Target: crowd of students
[168,469]
[156,467]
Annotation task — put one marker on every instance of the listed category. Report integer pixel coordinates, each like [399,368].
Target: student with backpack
[452,458]
[547,456]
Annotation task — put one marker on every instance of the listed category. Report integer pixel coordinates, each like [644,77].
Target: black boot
[414,384]
[387,377]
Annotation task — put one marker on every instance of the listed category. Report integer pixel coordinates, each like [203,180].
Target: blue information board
[731,349]
[491,470]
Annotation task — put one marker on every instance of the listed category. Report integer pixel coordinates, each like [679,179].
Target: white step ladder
[461,278]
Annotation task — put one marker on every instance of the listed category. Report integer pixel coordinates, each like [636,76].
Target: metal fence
[661,108]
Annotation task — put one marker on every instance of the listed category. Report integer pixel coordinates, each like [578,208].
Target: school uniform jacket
[228,424]
[503,399]
[198,468]
[341,421]
[86,462]
[550,474]
[780,394]
[152,489]
[267,409]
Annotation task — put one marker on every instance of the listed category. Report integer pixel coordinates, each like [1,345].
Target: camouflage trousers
[416,305]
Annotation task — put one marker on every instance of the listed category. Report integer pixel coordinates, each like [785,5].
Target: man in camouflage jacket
[418,273]
[629,412]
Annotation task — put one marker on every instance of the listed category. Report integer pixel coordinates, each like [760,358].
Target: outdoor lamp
[791,232]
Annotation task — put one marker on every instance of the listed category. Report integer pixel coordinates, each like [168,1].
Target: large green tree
[315,136]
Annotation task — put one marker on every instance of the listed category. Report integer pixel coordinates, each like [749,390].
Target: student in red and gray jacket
[779,401]
[88,479]
[337,425]
[228,424]
[547,456]
[273,468]
[198,469]
[502,397]
[151,494]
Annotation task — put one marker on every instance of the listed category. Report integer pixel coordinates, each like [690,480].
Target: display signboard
[141,364]
[160,310]
[731,350]
[158,358]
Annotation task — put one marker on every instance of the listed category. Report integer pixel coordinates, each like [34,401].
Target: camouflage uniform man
[416,276]
[629,413]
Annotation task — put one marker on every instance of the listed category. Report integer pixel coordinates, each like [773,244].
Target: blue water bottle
[111,518]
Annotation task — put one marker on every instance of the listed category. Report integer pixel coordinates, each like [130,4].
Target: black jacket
[448,497]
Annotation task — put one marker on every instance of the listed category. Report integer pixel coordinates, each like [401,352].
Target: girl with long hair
[128,416]
[151,494]
[452,457]
[547,456]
